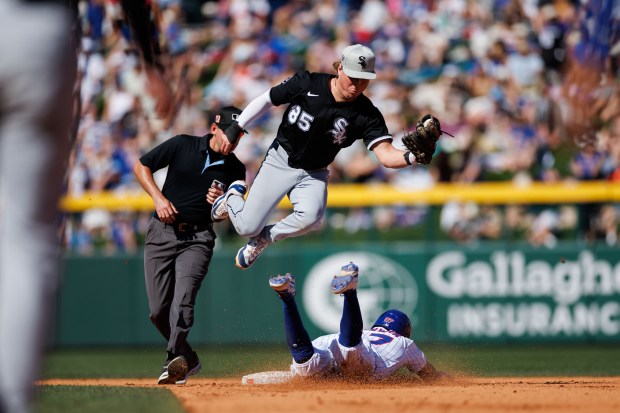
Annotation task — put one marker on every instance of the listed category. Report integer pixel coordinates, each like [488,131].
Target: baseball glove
[423,140]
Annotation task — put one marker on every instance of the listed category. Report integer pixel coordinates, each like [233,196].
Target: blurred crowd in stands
[529,88]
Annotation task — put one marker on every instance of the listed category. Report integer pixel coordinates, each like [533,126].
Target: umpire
[180,238]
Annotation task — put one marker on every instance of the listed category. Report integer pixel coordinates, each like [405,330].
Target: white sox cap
[358,62]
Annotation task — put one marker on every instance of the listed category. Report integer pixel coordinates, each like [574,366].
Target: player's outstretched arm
[391,157]
[420,145]
[255,109]
[430,373]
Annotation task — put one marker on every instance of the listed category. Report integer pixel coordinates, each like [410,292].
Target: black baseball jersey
[315,127]
[192,167]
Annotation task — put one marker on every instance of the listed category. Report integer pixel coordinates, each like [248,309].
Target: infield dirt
[498,394]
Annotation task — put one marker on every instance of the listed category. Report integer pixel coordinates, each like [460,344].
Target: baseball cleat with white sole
[251,251]
[173,371]
[219,212]
[218,209]
[194,367]
[283,284]
[347,280]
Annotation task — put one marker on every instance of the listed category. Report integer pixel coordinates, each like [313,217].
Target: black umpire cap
[226,116]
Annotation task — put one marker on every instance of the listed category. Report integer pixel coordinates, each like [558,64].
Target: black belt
[186,226]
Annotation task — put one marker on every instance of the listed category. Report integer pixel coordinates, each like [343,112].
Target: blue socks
[351,323]
[297,337]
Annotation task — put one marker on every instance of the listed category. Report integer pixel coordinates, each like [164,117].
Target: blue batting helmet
[395,320]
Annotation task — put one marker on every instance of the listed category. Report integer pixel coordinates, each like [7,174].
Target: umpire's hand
[213,194]
[165,210]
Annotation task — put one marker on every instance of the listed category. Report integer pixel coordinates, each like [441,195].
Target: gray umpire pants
[175,264]
[306,189]
[37,70]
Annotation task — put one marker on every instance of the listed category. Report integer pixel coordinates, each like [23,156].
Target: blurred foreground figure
[37,72]
[593,60]
[145,30]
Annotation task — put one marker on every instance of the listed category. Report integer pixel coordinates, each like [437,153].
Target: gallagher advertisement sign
[466,295]
[513,294]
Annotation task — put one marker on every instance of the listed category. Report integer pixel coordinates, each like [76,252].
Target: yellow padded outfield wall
[362,195]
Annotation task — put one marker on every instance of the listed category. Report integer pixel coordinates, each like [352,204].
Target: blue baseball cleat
[218,209]
[283,284]
[251,251]
[347,280]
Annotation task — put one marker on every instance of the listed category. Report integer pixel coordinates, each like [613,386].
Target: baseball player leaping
[325,114]
[353,353]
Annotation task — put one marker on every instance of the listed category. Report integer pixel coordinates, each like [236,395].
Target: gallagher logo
[383,284]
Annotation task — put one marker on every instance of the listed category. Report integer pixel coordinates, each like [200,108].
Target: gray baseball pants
[306,189]
[175,264]
[37,70]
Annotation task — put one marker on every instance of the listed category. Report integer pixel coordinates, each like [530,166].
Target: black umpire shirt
[315,127]
[192,167]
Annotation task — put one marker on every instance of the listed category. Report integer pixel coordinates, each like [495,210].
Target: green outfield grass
[91,399]
[230,361]
[235,361]
[529,360]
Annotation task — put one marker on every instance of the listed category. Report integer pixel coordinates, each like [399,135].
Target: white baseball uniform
[379,355]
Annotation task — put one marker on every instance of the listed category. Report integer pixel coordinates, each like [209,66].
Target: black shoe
[174,370]
[193,367]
